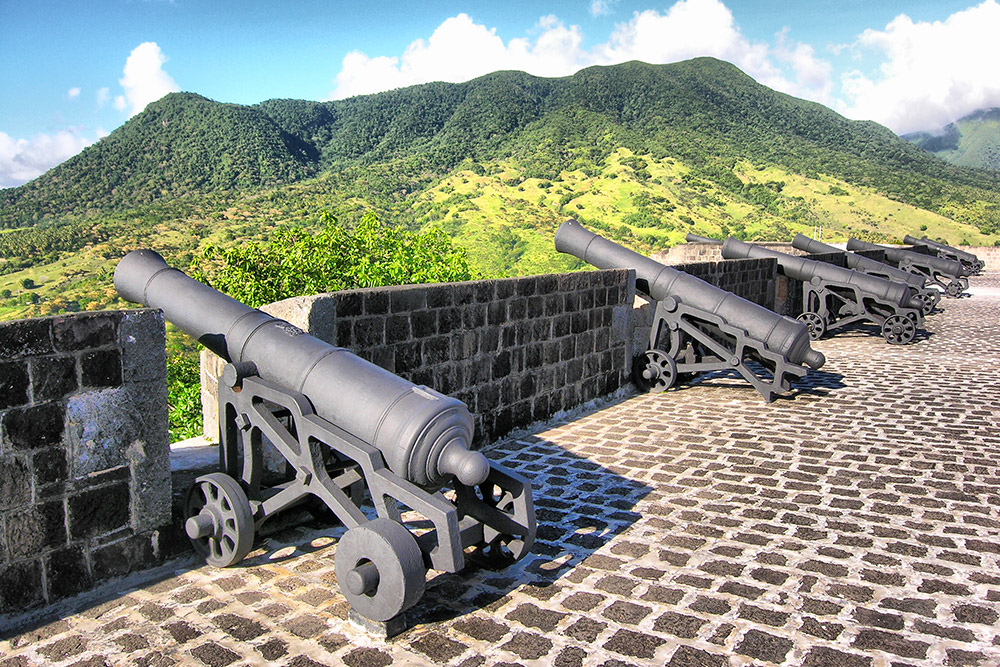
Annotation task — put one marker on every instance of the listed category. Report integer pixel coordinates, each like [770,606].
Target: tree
[297,262]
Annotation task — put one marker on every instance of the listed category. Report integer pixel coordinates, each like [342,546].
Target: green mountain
[971,141]
[641,153]
[701,110]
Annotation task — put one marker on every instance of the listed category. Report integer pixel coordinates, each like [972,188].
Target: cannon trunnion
[834,297]
[947,274]
[698,327]
[929,296]
[375,449]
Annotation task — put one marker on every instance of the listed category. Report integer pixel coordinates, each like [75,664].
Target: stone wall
[989,254]
[515,350]
[84,469]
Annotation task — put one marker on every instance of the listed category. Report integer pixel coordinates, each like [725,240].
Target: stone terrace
[855,524]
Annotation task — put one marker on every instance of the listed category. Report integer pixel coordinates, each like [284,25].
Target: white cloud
[460,49]
[23,159]
[602,7]
[933,72]
[102,97]
[144,79]
[73,93]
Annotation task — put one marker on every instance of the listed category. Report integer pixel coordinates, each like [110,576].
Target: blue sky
[72,71]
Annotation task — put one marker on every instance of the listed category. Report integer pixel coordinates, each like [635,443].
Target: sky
[72,71]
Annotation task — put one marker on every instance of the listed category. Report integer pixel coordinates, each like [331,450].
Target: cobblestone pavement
[855,524]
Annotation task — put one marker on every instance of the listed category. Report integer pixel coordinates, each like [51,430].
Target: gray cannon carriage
[834,297]
[968,259]
[947,274]
[698,327]
[377,450]
[917,283]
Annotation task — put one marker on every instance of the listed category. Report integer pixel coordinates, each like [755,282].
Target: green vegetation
[972,141]
[298,262]
[184,396]
[474,179]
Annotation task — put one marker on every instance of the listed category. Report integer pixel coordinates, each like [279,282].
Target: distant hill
[702,110]
[972,141]
[641,153]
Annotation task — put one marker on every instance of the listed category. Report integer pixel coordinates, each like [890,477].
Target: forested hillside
[971,141]
[643,153]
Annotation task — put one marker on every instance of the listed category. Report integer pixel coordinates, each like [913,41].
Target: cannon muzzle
[423,436]
[781,334]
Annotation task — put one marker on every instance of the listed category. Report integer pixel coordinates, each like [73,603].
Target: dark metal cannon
[968,259]
[698,327]
[947,274]
[695,238]
[834,297]
[377,450]
[930,297]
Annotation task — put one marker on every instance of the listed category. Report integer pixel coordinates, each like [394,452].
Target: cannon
[947,274]
[376,450]
[698,327]
[695,238]
[968,259]
[930,297]
[834,297]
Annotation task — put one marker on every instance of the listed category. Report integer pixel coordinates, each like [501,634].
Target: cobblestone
[856,524]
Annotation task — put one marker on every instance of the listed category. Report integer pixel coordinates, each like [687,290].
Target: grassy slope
[478,208]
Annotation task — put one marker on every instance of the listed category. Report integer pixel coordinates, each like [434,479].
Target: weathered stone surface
[66,572]
[20,586]
[35,530]
[13,383]
[15,482]
[35,426]
[99,511]
[141,338]
[85,331]
[22,338]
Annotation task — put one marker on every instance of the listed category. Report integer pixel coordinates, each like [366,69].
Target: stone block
[50,466]
[20,586]
[36,529]
[101,368]
[15,482]
[13,383]
[22,338]
[99,511]
[52,377]
[84,331]
[102,425]
[120,558]
[66,572]
[36,426]
[142,340]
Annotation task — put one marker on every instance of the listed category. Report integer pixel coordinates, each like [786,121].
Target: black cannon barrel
[804,269]
[947,266]
[961,254]
[859,262]
[696,238]
[424,436]
[781,334]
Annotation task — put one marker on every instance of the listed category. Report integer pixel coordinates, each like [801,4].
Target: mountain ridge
[971,141]
[701,110]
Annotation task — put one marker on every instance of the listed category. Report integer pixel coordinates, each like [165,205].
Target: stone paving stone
[856,524]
